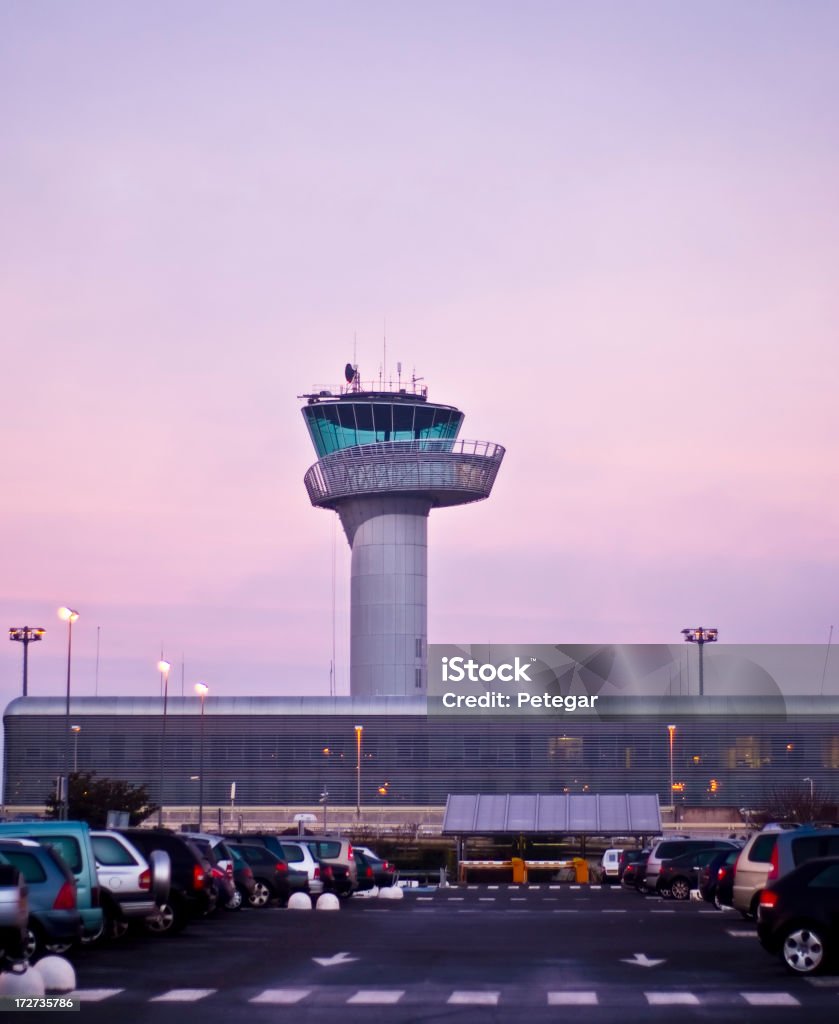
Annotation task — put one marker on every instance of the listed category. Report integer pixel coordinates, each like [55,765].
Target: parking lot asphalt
[468,953]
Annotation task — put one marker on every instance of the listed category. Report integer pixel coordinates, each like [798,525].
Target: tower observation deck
[386,457]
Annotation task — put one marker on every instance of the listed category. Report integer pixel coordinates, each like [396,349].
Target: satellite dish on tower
[349,372]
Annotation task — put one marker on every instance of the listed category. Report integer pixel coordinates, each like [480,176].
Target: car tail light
[768,898]
[327,871]
[773,865]
[198,877]
[317,872]
[369,873]
[350,853]
[247,872]
[217,872]
[721,873]
[145,879]
[281,867]
[66,898]
[229,872]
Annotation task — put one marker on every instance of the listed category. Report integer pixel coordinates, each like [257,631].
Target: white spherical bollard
[22,980]
[328,901]
[391,892]
[299,901]
[58,974]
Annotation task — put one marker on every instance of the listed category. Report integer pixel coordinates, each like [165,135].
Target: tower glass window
[343,424]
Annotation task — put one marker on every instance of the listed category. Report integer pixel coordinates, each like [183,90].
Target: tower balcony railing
[447,472]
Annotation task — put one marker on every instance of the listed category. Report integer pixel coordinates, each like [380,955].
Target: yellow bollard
[519,871]
[581,870]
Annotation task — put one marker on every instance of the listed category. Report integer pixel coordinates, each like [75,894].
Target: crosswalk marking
[739,933]
[572,999]
[95,995]
[183,995]
[281,996]
[671,999]
[380,997]
[770,999]
[473,999]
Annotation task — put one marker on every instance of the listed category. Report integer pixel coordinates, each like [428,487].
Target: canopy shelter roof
[604,814]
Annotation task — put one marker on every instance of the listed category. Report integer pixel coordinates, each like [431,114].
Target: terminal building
[287,751]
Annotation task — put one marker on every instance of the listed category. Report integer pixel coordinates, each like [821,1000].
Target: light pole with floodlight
[808,779]
[202,690]
[26,635]
[75,729]
[671,729]
[68,615]
[359,729]
[163,668]
[700,636]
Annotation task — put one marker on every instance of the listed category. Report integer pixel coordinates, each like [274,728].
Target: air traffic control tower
[386,457]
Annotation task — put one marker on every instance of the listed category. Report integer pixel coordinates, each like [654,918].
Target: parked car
[678,875]
[633,874]
[301,858]
[385,873]
[220,867]
[134,887]
[14,914]
[774,852]
[270,873]
[364,871]
[52,922]
[666,849]
[798,916]
[337,851]
[610,865]
[71,840]
[628,857]
[191,892]
[242,875]
[716,878]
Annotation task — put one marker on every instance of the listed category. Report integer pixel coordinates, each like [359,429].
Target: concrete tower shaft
[388,458]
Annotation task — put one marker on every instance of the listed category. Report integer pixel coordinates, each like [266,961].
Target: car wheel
[235,901]
[680,889]
[61,947]
[161,922]
[718,903]
[261,895]
[31,944]
[116,928]
[666,893]
[803,951]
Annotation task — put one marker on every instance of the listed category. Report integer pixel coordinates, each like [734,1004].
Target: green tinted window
[293,854]
[27,865]
[110,851]
[337,425]
[761,852]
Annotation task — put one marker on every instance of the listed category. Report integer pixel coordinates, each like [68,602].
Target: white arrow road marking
[331,961]
[642,960]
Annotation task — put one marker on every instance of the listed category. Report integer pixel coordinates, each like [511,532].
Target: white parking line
[595,887]
[574,886]
[95,995]
[662,911]
[425,897]
[493,887]
[738,933]
[572,999]
[550,886]
[486,899]
[281,996]
[183,995]
[514,887]
[671,999]
[377,996]
[770,999]
[614,911]
[473,999]
[518,899]
[566,911]
[455,899]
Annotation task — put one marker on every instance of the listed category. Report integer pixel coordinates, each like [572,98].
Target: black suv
[191,891]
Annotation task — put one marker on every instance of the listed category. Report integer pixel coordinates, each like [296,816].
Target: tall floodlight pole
[68,615]
[700,636]
[163,668]
[75,729]
[202,690]
[671,729]
[359,729]
[26,635]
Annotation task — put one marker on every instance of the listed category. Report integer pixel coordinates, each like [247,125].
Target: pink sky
[606,231]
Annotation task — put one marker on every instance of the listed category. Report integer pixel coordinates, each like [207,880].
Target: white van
[611,863]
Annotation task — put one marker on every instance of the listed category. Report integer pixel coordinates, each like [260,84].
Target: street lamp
[26,635]
[808,779]
[202,690]
[700,636]
[163,668]
[75,729]
[68,615]
[672,730]
[359,729]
